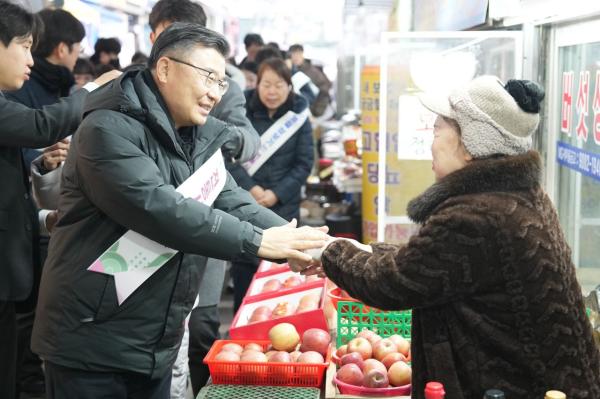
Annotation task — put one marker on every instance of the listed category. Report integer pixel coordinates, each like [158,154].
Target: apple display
[366,334]
[253,356]
[383,347]
[292,281]
[401,343]
[295,355]
[282,309]
[271,285]
[232,347]
[341,351]
[310,357]
[315,339]
[353,357]
[284,337]
[399,374]
[280,357]
[376,379]
[393,358]
[227,356]
[373,364]
[362,346]
[350,374]
[254,346]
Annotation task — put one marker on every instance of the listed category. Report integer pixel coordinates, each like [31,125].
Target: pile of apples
[284,308]
[374,362]
[290,282]
[286,347]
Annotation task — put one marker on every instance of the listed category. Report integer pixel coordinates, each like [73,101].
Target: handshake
[302,247]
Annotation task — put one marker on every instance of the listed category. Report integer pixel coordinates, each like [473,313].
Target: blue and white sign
[585,162]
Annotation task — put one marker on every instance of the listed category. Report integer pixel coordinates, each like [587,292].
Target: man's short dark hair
[16,22]
[265,53]
[170,11]
[253,38]
[295,47]
[180,38]
[61,27]
[107,45]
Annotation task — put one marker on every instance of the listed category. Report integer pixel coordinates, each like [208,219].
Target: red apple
[232,347]
[350,374]
[253,356]
[353,357]
[372,364]
[310,357]
[271,285]
[280,357]
[284,337]
[401,343]
[376,379]
[254,346]
[270,353]
[384,347]
[341,351]
[362,346]
[400,374]
[315,339]
[261,313]
[292,281]
[227,356]
[393,358]
[295,355]
[365,334]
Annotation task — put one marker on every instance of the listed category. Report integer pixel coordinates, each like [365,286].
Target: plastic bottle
[434,390]
[494,394]
[555,395]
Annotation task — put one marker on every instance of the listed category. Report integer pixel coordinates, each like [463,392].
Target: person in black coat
[51,78]
[22,127]
[277,183]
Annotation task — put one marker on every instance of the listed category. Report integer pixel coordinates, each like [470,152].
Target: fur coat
[489,276]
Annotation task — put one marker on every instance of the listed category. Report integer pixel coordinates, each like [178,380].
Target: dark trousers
[242,274]
[8,349]
[67,383]
[204,331]
[30,376]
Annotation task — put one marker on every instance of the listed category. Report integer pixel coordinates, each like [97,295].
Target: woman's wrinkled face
[448,152]
[273,90]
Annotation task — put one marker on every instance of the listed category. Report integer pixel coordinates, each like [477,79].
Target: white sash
[133,258]
[275,137]
[299,79]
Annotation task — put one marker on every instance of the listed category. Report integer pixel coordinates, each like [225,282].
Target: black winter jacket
[489,276]
[121,173]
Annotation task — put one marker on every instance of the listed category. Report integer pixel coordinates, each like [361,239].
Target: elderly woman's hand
[288,242]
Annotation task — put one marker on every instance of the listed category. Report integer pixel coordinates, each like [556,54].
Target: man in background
[316,75]
[51,78]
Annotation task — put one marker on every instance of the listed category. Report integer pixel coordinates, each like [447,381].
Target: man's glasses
[211,79]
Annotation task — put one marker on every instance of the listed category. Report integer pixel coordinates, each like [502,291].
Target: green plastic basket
[353,317]
[257,392]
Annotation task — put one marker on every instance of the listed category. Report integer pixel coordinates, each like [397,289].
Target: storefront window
[577,107]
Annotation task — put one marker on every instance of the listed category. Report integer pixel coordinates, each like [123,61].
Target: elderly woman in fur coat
[489,276]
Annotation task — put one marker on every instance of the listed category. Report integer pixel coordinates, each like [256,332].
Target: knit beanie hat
[493,118]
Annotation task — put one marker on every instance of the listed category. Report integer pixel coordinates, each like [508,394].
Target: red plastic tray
[240,329]
[251,373]
[348,389]
[267,268]
[260,280]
